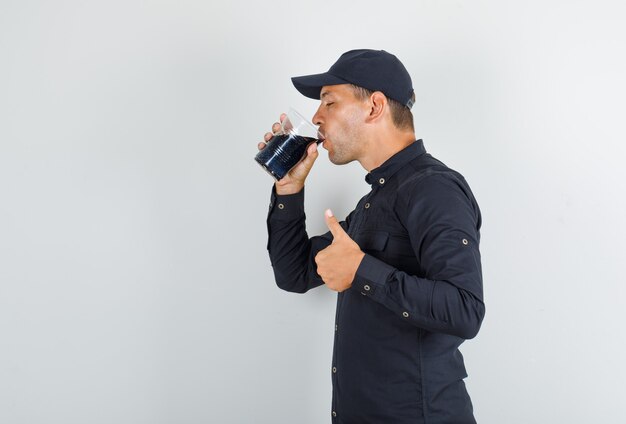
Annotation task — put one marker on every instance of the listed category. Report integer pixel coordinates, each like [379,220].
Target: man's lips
[322,138]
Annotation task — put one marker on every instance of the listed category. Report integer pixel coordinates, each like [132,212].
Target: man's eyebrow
[324,94]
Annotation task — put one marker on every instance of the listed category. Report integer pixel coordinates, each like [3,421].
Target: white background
[134,282]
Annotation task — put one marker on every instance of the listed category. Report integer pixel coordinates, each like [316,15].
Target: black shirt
[416,296]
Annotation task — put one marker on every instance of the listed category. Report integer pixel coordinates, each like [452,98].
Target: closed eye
[329,104]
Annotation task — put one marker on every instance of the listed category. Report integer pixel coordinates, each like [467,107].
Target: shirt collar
[381,174]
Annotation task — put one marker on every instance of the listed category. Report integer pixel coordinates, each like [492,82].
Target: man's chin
[338,160]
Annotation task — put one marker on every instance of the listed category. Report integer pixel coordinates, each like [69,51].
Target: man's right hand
[293,182]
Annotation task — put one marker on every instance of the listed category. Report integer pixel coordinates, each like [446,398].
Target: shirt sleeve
[443,222]
[292,253]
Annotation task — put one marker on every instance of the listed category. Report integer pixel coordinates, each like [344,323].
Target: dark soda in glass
[282,153]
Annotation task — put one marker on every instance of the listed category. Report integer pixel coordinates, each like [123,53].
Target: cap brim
[311,85]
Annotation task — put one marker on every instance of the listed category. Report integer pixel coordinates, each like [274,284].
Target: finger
[268,136]
[282,117]
[333,225]
[261,145]
[311,156]
[275,127]
[311,152]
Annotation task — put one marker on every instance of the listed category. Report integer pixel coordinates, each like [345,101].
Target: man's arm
[291,251]
[288,244]
[443,222]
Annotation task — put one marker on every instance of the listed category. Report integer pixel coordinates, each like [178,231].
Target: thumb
[333,225]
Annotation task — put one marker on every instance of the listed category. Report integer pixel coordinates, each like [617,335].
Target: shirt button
[334,370]
[465,242]
[367,206]
[366,287]
[381,181]
[334,414]
[281,206]
[405,314]
[336,327]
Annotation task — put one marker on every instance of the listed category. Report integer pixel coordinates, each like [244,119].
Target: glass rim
[292,111]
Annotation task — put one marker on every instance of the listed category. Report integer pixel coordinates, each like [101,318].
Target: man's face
[340,117]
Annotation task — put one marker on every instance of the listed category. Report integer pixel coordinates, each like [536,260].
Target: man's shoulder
[427,180]
[427,169]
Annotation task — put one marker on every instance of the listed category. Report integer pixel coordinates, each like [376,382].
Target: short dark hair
[400,114]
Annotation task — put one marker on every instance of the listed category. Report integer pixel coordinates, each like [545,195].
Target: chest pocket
[379,241]
[372,241]
[391,249]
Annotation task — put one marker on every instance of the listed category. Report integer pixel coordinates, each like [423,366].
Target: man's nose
[317,118]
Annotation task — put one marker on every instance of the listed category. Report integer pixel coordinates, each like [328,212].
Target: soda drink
[283,152]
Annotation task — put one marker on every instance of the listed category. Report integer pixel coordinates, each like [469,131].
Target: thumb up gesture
[337,264]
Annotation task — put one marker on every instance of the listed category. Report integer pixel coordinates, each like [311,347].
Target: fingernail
[329,213]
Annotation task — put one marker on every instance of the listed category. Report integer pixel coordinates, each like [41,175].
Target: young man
[405,263]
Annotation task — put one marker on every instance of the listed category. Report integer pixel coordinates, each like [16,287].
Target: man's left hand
[337,264]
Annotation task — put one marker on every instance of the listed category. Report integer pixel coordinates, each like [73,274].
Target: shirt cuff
[371,277]
[286,207]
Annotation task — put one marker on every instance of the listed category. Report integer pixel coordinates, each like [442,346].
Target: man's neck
[384,147]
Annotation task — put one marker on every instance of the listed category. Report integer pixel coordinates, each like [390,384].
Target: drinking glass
[288,146]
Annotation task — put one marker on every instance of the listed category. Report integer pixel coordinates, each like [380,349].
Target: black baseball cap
[374,70]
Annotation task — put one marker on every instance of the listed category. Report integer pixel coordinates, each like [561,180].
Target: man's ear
[378,106]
